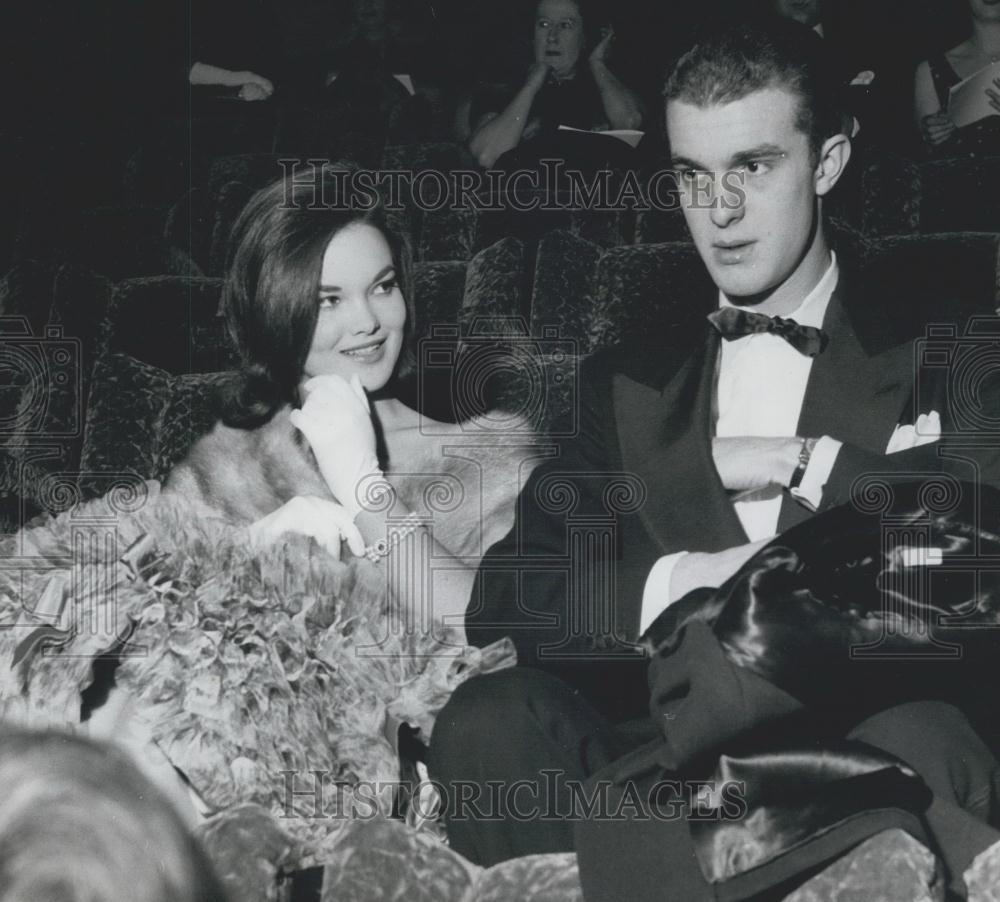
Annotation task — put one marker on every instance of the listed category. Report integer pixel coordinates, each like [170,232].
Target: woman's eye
[327,300]
[386,287]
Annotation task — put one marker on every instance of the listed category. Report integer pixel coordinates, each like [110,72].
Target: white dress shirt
[760,387]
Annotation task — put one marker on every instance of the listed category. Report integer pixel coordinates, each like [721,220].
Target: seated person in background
[568,83]
[80,823]
[938,74]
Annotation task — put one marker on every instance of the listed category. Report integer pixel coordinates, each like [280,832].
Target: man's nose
[726,205]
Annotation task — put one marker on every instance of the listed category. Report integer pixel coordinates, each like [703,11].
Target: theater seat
[170,322]
[141,420]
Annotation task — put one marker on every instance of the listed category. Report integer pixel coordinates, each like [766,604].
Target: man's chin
[743,289]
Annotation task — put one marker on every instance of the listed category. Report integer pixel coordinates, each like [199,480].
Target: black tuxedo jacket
[638,482]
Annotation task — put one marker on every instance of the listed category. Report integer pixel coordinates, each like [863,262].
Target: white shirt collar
[813,308]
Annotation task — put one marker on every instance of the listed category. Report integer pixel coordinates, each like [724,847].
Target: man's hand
[700,569]
[747,463]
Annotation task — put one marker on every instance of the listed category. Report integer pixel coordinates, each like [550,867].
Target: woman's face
[559,37]
[359,328]
[985,10]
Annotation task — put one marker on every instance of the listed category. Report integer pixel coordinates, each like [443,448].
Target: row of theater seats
[108,380]
[190,235]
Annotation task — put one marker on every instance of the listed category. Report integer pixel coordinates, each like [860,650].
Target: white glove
[324,520]
[337,422]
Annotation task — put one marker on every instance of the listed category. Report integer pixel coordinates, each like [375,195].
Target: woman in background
[568,83]
[937,75]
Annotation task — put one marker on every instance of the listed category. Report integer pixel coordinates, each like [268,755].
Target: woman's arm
[933,122]
[501,132]
[621,105]
[336,421]
[424,580]
[207,74]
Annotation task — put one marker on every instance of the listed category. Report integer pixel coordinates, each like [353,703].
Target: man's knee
[937,740]
[491,711]
[916,727]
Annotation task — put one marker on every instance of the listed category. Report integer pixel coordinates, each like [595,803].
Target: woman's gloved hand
[336,421]
[326,521]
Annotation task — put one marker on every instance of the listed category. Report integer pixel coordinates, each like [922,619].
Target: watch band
[805,453]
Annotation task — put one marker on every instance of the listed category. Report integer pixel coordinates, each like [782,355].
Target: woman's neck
[392,414]
[986,40]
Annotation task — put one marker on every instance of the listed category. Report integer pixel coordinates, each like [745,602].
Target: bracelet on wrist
[383,547]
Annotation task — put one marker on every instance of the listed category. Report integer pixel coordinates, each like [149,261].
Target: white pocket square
[927,429]
[865,77]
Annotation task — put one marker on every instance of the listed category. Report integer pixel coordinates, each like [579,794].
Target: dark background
[83,81]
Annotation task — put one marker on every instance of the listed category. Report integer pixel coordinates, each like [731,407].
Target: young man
[793,388]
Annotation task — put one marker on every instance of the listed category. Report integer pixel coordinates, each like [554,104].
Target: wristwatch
[805,453]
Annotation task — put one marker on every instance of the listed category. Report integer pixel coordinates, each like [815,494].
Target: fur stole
[464,478]
[243,670]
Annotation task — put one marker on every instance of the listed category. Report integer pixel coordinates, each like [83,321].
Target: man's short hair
[734,62]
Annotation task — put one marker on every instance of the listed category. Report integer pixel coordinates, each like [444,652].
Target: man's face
[808,12]
[748,185]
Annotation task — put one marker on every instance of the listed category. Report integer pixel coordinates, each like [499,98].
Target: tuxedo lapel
[666,439]
[852,395]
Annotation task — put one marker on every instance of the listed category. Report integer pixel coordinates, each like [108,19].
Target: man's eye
[689,177]
[757,167]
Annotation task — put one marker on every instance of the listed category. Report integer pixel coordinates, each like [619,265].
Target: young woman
[937,75]
[314,437]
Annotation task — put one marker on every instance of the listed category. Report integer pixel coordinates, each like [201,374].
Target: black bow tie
[732,323]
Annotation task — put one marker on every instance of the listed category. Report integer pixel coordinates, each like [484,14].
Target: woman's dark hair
[271,292]
[732,63]
[81,823]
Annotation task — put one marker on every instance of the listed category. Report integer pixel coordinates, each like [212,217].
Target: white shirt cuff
[656,593]
[821,463]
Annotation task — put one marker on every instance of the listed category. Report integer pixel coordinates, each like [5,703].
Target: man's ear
[833,157]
